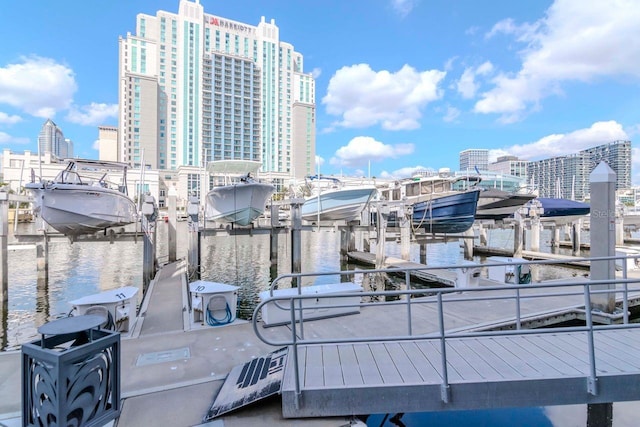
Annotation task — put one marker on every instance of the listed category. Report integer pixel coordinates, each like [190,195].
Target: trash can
[71,375]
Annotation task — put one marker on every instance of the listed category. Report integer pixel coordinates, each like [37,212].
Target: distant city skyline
[405,86]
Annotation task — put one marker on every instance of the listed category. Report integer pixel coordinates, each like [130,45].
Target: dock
[168,363]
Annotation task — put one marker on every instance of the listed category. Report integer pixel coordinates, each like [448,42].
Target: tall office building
[196,87]
[474,158]
[52,140]
[568,176]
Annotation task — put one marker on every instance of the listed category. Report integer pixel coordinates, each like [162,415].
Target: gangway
[446,368]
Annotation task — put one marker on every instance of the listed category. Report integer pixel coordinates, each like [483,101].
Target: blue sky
[400,84]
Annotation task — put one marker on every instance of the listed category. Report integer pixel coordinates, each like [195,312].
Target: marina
[185,338]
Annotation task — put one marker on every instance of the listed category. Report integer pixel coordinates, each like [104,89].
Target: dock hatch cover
[248,383]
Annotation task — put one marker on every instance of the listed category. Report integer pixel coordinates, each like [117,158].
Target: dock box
[279,314]
[510,272]
[213,303]
[116,301]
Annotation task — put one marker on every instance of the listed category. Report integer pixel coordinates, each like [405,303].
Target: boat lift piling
[149,216]
[173,218]
[193,251]
[4,253]
[296,244]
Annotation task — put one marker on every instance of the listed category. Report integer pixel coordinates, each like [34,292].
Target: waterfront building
[196,87]
[473,158]
[568,176]
[509,165]
[52,140]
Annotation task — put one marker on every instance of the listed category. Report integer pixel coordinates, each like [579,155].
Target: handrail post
[444,388]
[518,315]
[294,345]
[625,292]
[592,381]
[408,283]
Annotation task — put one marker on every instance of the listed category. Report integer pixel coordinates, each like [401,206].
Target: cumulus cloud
[316,72]
[364,97]
[405,172]
[5,138]
[362,149]
[93,114]
[571,43]
[38,86]
[563,144]
[9,120]
[467,85]
[403,7]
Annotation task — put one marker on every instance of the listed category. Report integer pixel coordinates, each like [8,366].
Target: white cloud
[452,114]
[364,97]
[403,7]
[316,72]
[5,138]
[93,114]
[38,86]
[405,172]
[562,144]
[9,120]
[571,43]
[363,149]
[467,85]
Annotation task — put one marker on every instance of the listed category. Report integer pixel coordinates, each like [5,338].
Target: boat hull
[453,213]
[73,209]
[497,204]
[239,203]
[335,205]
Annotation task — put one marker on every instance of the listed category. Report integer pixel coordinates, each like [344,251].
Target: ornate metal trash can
[71,376]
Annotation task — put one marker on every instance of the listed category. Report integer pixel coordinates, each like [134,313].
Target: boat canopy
[89,164]
[233,167]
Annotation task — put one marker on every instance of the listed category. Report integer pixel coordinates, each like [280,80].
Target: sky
[401,85]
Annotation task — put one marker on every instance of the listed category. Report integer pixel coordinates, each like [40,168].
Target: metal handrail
[516,292]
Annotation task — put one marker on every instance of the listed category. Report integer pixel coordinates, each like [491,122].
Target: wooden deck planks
[368,366]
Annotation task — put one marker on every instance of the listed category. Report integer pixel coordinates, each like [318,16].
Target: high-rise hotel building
[196,87]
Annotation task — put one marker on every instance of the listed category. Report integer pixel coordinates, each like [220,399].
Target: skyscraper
[52,140]
[196,87]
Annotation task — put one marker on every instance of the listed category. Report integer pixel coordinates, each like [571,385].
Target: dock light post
[4,237]
[171,234]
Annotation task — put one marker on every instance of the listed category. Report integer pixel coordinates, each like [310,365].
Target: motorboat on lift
[241,197]
[439,203]
[332,199]
[83,198]
[557,210]
[499,204]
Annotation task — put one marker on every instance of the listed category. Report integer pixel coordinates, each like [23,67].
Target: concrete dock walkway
[171,373]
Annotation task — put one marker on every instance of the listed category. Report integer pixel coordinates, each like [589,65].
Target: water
[81,269]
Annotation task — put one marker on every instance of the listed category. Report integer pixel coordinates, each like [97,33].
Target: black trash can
[71,376]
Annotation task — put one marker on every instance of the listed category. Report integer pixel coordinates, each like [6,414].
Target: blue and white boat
[333,200]
[436,204]
[557,210]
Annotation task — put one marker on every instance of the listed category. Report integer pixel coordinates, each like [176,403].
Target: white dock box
[511,272]
[116,301]
[280,314]
[467,275]
[213,303]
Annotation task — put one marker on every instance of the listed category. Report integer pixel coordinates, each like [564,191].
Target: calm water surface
[80,269]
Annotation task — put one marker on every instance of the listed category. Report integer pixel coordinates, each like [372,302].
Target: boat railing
[439,299]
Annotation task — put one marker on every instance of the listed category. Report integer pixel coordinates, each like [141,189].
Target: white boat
[333,200]
[498,204]
[82,199]
[241,198]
